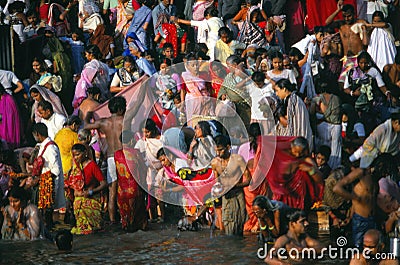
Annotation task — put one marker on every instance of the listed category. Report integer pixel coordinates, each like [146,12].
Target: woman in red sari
[247,151]
[131,197]
[87,181]
[217,72]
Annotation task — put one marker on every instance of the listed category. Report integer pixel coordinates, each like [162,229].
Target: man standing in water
[295,238]
[232,171]
[365,193]
[112,128]
[353,34]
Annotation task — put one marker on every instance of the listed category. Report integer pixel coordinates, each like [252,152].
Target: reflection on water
[161,245]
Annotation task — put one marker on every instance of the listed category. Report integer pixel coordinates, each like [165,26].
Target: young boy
[322,159]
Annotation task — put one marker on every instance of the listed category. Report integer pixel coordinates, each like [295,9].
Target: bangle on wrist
[387,92]
[311,172]
[67,9]
[90,192]
[351,92]
[263,228]
[271,228]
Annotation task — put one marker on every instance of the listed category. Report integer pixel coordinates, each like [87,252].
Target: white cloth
[381,47]
[330,134]
[257,94]
[111,170]
[52,163]
[92,22]
[302,45]
[286,73]
[54,124]
[7,79]
[374,73]
[208,33]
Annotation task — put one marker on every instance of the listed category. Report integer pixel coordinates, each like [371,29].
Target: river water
[162,244]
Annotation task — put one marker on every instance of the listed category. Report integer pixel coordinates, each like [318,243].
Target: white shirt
[52,163]
[54,124]
[256,94]
[373,72]
[7,79]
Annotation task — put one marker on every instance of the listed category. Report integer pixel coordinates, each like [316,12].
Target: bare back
[112,128]
[366,196]
[87,105]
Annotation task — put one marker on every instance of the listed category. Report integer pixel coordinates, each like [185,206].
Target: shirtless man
[364,194]
[353,41]
[295,238]
[112,128]
[230,168]
[373,242]
[90,103]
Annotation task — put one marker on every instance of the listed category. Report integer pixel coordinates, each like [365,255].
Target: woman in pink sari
[10,126]
[247,151]
[197,93]
[94,73]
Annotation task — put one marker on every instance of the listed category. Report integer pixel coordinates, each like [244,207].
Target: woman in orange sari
[87,181]
[247,151]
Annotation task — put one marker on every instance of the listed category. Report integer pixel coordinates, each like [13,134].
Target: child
[77,49]
[322,159]
[259,90]
[64,240]
[226,45]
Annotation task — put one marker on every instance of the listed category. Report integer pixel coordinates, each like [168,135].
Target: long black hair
[254,132]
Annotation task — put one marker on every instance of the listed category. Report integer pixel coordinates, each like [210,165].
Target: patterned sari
[87,211]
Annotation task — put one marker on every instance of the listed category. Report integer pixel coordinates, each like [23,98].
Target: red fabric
[131,203]
[135,5]
[170,36]
[216,81]
[92,174]
[318,11]
[43,12]
[296,190]
[295,22]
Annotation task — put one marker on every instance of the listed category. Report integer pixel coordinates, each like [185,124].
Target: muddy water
[160,245]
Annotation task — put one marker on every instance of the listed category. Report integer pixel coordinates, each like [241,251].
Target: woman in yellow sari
[87,181]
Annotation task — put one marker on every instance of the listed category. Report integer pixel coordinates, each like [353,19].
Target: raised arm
[331,18]
[339,188]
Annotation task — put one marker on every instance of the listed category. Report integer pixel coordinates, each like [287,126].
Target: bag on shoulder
[38,163]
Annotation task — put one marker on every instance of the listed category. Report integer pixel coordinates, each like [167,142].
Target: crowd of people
[316,81]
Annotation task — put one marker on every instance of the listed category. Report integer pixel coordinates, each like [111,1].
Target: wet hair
[395,116]
[94,90]
[117,104]
[204,127]
[41,129]
[18,193]
[378,14]
[264,203]
[295,216]
[151,126]
[64,240]
[348,9]
[160,153]
[285,83]
[276,54]
[212,11]
[46,105]
[73,119]
[319,29]
[295,52]
[94,50]
[225,30]
[254,132]
[385,165]
[301,142]
[126,136]
[79,147]
[167,45]
[325,151]
[84,135]
[222,140]
[258,76]
[233,59]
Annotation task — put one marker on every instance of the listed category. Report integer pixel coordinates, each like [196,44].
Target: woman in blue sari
[140,23]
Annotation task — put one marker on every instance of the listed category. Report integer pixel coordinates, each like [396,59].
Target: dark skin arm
[347,180]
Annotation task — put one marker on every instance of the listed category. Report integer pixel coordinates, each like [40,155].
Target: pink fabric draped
[10,126]
[292,189]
